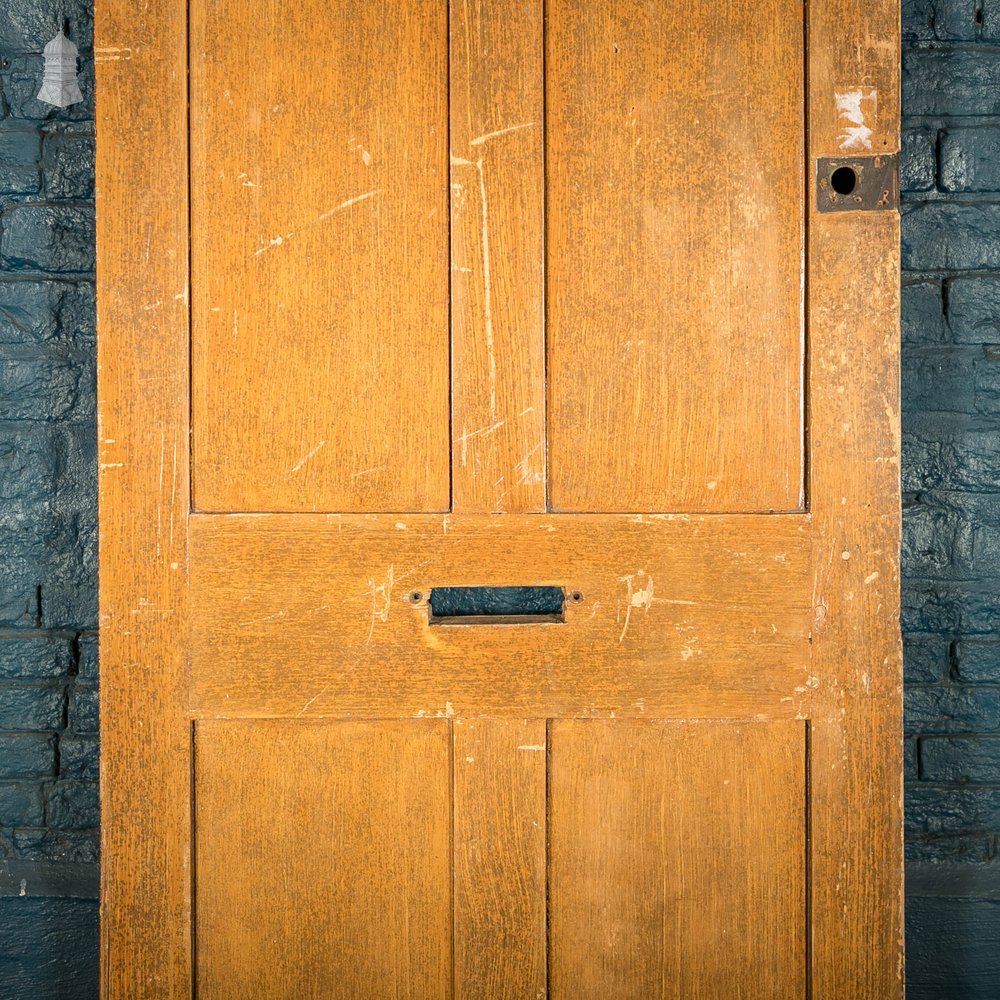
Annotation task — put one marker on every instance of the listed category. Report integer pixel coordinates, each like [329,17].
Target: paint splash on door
[855,108]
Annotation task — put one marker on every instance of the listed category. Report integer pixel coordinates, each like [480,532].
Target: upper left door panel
[320,255]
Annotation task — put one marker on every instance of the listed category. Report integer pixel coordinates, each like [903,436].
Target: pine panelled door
[404,297]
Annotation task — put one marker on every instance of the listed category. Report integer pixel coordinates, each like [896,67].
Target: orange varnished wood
[677,860]
[142,366]
[675,239]
[323,860]
[376,810]
[316,615]
[498,353]
[856,744]
[319,248]
[499,859]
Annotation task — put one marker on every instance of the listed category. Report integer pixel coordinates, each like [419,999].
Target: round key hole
[844,180]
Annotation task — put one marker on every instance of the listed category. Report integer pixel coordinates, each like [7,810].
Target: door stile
[856,686]
[143,425]
[497,252]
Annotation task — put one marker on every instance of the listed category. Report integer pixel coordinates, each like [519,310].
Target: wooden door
[399,299]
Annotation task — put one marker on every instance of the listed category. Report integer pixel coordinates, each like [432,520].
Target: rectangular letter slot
[496,605]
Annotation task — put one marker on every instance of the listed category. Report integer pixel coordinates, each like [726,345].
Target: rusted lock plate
[857,184]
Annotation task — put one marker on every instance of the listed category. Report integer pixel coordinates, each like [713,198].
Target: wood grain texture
[677,866]
[320,256]
[675,241]
[316,615]
[853,280]
[143,487]
[497,194]
[323,860]
[499,859]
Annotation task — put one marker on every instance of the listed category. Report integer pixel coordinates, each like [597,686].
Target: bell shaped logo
[59,86]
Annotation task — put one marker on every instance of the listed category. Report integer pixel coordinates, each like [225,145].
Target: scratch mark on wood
[381,593]
[278,240]
[479,140]
[466,436]
[488,295]
[367,472]
[305,458]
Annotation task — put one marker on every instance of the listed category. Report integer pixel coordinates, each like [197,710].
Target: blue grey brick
[953,534]
[924,20]
[974,310]
[38,384]
[68,165]
[917,160]
[70,577]
[960,760]
[938,378]
[942,606]
[953,451]
[959,82]
[35,311]
[948,708]
[27,755]
[970,159]
[28,464]
[930,809]
[922,313]
[79,757]
[936,848]
[88,666]
[978,661]
[934,539]
[925,659]
[45,844]
[21,804]
[991,20]
[35,707]
[909,758]
[84,714]
[20,156]
[29,656]
[47,237]
[943,236]
[27,25]
[73,805]
[49,949]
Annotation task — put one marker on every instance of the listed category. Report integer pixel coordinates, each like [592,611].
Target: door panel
[317,616]
[677,860]
[319,207]
[675,239]
[323,859]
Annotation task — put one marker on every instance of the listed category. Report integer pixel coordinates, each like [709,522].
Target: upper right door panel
[675,255]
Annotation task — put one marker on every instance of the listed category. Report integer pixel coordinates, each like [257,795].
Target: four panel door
[499,502]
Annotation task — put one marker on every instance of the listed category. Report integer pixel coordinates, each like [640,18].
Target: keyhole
[844,180]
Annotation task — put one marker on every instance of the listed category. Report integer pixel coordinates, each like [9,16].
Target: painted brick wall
[951,474]
[951,329]
[48,641]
